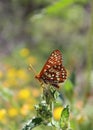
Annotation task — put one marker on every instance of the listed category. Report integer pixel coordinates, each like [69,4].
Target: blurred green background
[29,31]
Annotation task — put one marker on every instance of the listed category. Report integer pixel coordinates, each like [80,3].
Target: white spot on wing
[63,74]
[58,67]
[58,79]
[57,76]
[44,70]
[55,66]
[48,66]
[53,75]
[49,75]
[50,61]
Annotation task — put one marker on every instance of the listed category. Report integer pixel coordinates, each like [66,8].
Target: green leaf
[69,90]
[50,94]
[58,6]
[32,123]
[68,86]
[64,120]
[6,93]
[43,111]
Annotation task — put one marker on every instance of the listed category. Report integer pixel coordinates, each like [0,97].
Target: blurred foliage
[29,31]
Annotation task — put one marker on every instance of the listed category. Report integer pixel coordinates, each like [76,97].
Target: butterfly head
[37,76]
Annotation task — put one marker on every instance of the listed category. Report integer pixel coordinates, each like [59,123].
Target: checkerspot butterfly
[53,71]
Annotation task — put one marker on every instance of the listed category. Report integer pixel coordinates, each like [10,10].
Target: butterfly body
[53,71]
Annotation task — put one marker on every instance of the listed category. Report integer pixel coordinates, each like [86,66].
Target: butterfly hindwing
[55,75]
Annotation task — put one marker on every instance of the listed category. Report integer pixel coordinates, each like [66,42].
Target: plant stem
[89,54]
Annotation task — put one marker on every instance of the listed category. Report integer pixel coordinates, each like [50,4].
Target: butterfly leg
[42,84]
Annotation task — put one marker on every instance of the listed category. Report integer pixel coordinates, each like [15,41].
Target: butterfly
[53,71]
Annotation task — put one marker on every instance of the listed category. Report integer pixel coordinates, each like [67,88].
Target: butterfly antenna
[31,68]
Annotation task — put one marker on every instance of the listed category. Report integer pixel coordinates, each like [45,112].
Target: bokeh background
[29,31]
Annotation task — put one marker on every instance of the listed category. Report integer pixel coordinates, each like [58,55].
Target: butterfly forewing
[53,72]
[54,59]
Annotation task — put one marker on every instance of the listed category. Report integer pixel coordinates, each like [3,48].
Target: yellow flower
[2,114]
[25,109]
[12,82]
[1,74]
[6,83]
[81,118]
[32,102]
[22,74]
[13,112]
[11,73]
[24,52]
[57,113]
[24,94]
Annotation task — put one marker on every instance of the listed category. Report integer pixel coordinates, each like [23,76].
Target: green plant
[44,112]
